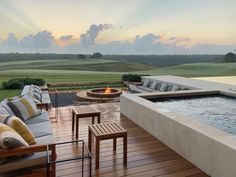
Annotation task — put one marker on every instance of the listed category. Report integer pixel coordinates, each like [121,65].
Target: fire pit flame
[107,90]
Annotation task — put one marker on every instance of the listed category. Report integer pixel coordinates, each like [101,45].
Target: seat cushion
[47,139]
[145,88]
[41,129]
[43,117]
[36,159]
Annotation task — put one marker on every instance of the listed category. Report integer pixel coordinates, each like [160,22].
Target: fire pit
[104,93]
[100,94]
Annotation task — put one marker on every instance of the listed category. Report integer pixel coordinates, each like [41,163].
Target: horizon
[128,28]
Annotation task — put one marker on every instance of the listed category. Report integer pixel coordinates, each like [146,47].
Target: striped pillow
[24,107]
[9,138]
[19,126]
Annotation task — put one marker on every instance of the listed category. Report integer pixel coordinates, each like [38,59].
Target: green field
[89,70]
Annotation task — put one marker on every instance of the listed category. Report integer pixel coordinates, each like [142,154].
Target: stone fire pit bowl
[99,95]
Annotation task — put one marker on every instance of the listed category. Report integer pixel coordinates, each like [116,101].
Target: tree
[230,57]
[81,56]
[96,55]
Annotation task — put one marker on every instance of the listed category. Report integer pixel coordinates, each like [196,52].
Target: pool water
[217,111]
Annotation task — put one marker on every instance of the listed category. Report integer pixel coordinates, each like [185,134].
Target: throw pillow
[146,82]
[3,110]
[37,96]
[24,107]
[154,84]
[19,126]
[163,87]
[9,138]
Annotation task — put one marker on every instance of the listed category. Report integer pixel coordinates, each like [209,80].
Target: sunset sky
[69,26]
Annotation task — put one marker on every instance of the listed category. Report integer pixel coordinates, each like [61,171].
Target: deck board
[147,156]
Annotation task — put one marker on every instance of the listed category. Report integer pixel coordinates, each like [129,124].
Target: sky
[118,27]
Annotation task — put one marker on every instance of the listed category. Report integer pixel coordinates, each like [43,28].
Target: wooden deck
[147,156]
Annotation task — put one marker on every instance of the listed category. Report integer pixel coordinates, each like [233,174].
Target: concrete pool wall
[210,149]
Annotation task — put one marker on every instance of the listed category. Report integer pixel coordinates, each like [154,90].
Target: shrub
[131,78]
[19,83]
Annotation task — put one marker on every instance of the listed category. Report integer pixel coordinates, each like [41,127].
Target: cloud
[11,40]
[87,39]
[41,40]
[149,43]
[66,37]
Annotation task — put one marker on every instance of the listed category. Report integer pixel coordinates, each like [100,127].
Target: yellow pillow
[20,127]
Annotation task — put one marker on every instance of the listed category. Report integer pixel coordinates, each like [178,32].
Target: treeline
[35,56]
[167,60]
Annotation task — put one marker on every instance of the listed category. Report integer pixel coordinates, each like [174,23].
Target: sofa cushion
[6,106]
[41,129]
[154,85]
[9,138]
[24,107]
[146,82]
[20,127]
[33,160]
[145,88]
[26,90]
[163,87]
[47,139]
[3,110]
[43,117]
[175,88]
[169,87]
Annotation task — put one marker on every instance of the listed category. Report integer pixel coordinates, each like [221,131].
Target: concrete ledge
[210,149]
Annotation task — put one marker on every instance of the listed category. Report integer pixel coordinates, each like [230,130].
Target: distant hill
[155,60]
[167,60]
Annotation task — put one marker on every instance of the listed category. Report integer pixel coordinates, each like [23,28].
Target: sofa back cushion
[24,107]
[163,87]
[154,85]
[3,110]
[146,83]
[6,106]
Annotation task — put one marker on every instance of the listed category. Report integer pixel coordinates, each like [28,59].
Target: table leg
[114,144]
[93,120]
[77,127]
[73,120]
[125,148]
[97,152]
[99,116]
[90,141]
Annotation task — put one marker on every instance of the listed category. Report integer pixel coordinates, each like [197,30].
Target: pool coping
[210,149]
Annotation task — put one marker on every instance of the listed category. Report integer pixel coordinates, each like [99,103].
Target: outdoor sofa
[149,85]
[32,155]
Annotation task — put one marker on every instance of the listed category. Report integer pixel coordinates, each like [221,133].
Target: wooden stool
[84,112]
[106,131]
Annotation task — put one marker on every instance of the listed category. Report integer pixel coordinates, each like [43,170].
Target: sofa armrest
[27,150]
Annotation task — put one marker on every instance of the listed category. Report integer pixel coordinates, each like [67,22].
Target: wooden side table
[106,131]
[84,112]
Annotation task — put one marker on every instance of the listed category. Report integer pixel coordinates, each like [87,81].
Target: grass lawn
[196,70]
[8,93]
[104,71]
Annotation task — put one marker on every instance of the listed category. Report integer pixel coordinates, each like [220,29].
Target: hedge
[19,83]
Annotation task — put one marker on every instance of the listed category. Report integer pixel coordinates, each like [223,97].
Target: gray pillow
[158,86]
[37,96]
[169,88]
[146,82]
[163,87]
[175,88]
[154,84]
